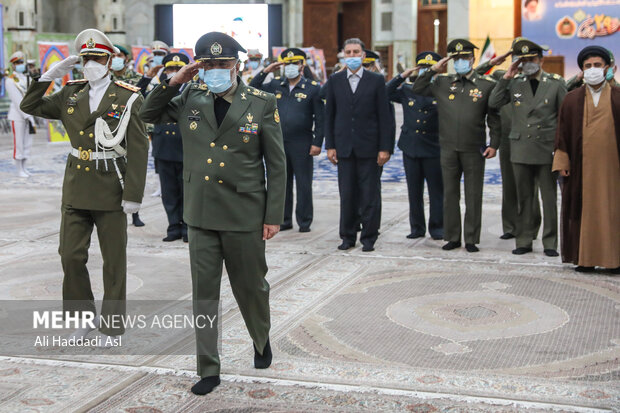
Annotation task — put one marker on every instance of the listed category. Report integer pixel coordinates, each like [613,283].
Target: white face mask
[95,71]
[594,76]
[530,68]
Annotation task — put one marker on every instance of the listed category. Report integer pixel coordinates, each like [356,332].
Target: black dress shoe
[263,361]
[368,248]
[286,227]
[551,253]
[507,235]
[345,246]
[185,239]
[305,229]
[521,250]
[471,248]
[451,245]
[414,236]
[613,270]
[136,221]
[206,385]
[171,238]
[580,268]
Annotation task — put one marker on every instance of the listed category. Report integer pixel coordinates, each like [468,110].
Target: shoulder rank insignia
[276,116]
[314,82]
[78,81]
[277,77]
[556,76]
[127,86]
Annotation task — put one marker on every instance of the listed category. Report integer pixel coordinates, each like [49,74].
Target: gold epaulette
[277,77]
[252,91]
[489,78]
[127,86]
[314,82]
[77,81]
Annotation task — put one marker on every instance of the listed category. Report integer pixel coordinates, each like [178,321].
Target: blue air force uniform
[419,141]
[301,109]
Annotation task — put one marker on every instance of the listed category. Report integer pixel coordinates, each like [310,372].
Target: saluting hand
[383,157]
[440,66]
[272,67]
[152,72]
[269,231]
[512,70]
[498,60]
[186,74]
[409,71]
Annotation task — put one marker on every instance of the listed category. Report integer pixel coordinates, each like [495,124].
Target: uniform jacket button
[206,178]
[212,144]
[90,135]
[220,182]
[209,160]
[222,164]
[225,147]
[81,132]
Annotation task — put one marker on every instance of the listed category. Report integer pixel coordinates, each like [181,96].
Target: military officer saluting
[419,141]
[535,97]
[105,172]
[462,104]
[301,109]
[231,132]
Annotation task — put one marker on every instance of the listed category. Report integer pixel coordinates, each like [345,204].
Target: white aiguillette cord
[106,140]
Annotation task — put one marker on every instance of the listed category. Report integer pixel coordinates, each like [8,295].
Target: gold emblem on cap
[290,54]
[428,57]
[216,49]
[458,47]
[525,49]
[90,43]
[176,59]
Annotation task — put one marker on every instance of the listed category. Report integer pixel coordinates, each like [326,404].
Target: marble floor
[405,328]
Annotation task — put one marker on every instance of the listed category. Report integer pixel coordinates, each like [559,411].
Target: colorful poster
[51,53]
[140,55]
[315,59]
[567,26]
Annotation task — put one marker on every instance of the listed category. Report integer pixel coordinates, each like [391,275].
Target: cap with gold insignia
[92,42]
[159,46]
[217,45]
[371,56]
[526,48]
[461,47]
[123,50]
[293,54]
[175,60]
[17,56]
[427,58]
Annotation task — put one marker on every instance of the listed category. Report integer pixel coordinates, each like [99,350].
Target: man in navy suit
[358,140]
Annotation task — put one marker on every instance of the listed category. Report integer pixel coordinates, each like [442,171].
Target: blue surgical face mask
[118,63]
[21,68]
[157,60]
[610,74]
[422,71]
[462,66]
[341,61]
[253,64]
[218,80]
[201,74]
[353,63]
[78,66]
[291,71]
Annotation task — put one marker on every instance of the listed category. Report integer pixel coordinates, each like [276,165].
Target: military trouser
[76,227]
[418,170]
[243,253]
[300,166]
[526,177]
[455,164]
[510,205]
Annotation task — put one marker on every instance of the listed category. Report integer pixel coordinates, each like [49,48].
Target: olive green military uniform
[532,137]
[225,199]
[510,205]
[462,108]
[92,192]
[130,76]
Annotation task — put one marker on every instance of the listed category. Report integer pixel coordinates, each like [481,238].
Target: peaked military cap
[370,56]
[92,42]
[254,54]
[217,45]
[123,50]
[17,56]
[427,58]
[159,46]
[461,47]
[292,54]
[526,48]
[590,51]
[175,60]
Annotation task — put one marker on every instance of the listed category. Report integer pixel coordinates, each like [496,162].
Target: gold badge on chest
[246,138]
[249,117]
[70,110]
[451,96]
[193,125]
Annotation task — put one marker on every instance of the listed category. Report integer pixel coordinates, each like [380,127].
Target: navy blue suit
[301,113]
[419,141]
[358,125]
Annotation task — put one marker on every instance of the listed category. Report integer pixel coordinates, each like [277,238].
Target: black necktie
[534,84]
[221,108]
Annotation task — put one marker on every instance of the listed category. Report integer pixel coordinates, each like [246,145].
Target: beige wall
[493,18]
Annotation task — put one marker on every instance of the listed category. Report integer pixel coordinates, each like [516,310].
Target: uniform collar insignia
[243,96]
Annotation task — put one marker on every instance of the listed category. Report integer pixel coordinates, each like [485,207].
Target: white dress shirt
[354,78]
[596,93]
[96,92]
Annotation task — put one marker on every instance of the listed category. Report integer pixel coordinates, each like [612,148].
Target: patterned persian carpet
[406,328]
